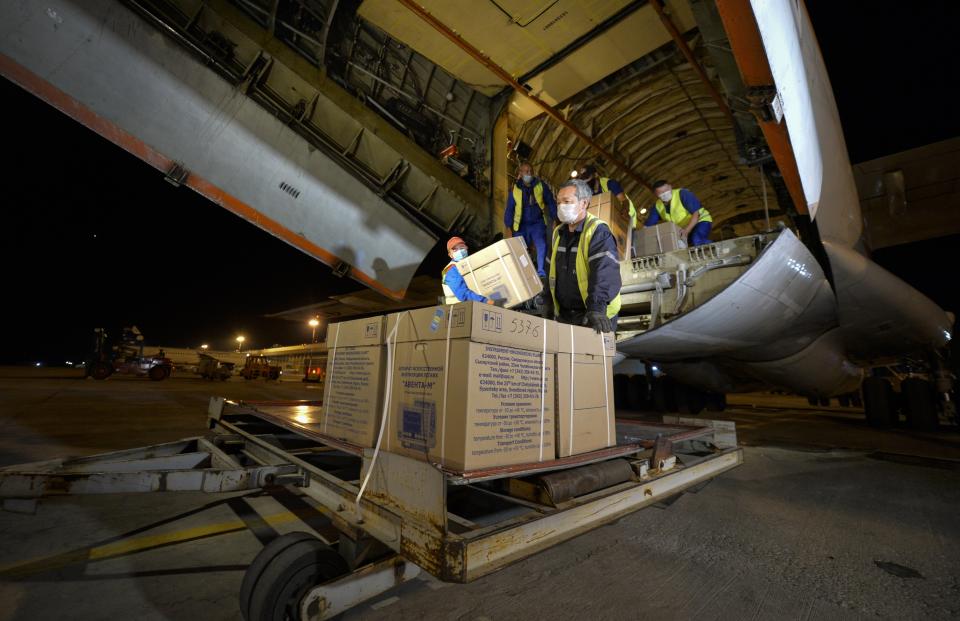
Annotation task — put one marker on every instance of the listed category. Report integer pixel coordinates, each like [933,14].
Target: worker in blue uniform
[682,207]
[530,213]
[600,184]
[455,288]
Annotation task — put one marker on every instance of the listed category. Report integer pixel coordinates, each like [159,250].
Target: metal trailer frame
[410,515]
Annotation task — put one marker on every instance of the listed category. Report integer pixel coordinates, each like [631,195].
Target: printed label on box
[491,321]
[418,425]
[458,317]
[352,403]
[511,397]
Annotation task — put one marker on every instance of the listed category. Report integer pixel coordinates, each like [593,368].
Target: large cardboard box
[353,392]
[472,386]
[616,214]
[586,416]
[658,239]
[502,271]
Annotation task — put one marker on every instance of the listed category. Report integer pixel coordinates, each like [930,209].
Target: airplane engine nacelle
[819,370]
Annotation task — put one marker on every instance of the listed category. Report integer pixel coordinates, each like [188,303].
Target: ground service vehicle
[125,357]
[213,369]
[260,366]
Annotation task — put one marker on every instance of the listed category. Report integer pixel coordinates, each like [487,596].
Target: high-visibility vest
[590,225]
[519,206]
[604,181]
[449,297]
[678,213]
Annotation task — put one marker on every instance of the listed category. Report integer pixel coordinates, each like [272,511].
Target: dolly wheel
[283,572]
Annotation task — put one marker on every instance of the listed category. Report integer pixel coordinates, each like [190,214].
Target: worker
[683,208]
[584,270]
[455,288]
[599,185]
[531,211]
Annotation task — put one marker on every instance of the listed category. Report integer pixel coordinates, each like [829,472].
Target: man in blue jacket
[683,208]
[455,288]
[530,213]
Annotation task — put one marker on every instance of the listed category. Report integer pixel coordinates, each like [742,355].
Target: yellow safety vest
[518,204]
[633,210]
[590,225]
[448,295]
[678,213]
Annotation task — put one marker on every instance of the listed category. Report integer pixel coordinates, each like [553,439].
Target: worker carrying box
[500,274]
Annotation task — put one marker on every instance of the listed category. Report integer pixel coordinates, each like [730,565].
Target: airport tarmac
[826,518]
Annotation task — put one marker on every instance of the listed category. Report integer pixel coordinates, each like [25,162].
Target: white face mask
[527,179]
[568,212]
[460,255]
[666,196]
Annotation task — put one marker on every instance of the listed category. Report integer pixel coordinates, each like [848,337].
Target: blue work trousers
[535,235]
[700,234]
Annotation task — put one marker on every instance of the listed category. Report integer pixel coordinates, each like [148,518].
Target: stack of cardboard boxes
[658,239]
[353,393]
[471,386]
[616,214]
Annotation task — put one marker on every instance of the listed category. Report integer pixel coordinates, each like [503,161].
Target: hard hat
[454,242]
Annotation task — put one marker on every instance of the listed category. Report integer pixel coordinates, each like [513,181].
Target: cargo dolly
[393,515]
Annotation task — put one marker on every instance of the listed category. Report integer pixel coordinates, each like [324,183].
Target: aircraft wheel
[621,384]
[879,402]
[637,392]
[664,395]
[283,572]
[690,400]
[920,404]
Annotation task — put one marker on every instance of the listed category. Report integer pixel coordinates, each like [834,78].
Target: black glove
[546,306]
[598,321]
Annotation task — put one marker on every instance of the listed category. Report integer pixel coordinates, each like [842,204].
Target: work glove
[598,321]
[497,303]
[546,306]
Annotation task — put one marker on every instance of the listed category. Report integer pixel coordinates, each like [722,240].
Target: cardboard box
[616,214]
[586,415]
[468,396]
[480,323]
[658,239]
[502,271]
[353,391]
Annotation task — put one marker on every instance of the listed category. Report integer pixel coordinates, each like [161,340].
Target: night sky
[94,237]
